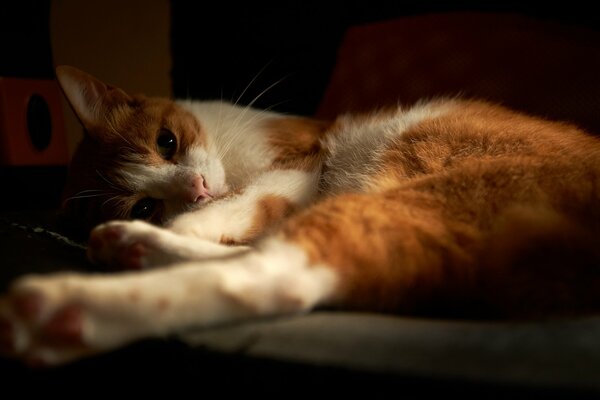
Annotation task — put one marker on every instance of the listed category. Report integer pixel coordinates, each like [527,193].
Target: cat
[220,213]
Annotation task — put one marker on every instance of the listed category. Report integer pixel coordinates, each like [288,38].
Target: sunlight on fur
[221,213]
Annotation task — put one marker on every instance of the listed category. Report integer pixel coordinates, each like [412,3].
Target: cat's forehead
[166,110]
[138,124]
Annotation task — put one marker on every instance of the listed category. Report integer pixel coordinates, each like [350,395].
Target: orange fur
[226,240]
[296,142]
[102,150]
[269,211]
[451,218]
[460,208]
[439,228]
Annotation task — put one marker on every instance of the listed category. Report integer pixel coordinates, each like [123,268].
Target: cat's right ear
[90,98]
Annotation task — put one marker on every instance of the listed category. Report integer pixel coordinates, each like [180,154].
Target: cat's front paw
[132,245]
[42,324]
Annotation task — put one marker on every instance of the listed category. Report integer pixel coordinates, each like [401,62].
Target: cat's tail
[540,262]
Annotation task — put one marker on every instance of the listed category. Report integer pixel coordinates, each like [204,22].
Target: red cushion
[534,65]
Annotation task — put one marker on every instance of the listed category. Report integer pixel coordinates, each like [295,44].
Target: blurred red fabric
[538,66]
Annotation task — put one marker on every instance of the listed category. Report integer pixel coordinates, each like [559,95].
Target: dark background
[216,54]
[218,48]
[278,54]
[25,39]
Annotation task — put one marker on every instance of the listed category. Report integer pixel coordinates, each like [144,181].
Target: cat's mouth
[218,191]
[208,194]
[204,197]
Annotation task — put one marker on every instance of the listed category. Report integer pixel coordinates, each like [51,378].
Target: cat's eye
[166,143]
[144,208]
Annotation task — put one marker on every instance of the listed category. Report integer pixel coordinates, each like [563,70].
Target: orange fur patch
[269,211]
[296,142]
[227,241]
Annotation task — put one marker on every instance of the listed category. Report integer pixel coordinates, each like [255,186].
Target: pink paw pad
[101,239]
[65,328]
[131,256]
[28,306]
[108,234]
[7,338]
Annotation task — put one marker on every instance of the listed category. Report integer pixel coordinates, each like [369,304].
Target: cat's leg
[136,245]
[243,217]
[396,251]
[208,232]
[54,319]
[360,251]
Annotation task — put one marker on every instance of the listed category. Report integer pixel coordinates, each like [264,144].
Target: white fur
[233,217]
[168,182]
[276,277]
[209,165]
[237,151]
[356,150]
[161,246]
[236,135]
[118,309]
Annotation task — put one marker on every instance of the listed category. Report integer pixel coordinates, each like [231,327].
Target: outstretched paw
[132,245]
[135,245]
[40,329]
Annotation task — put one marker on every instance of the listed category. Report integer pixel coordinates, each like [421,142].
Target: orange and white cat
[228,213]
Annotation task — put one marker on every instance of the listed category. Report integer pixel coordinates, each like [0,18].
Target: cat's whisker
[251,82]
[84,197]
[240,117]
[225,147]
[88,193]
[121,207]
[266,90]
[220,123]
[109,200]
[240,130]
[112,127]
[249,105]
[112,185]
[262,114]
[128,149]
[88,190]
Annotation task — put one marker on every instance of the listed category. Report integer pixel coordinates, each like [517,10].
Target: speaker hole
[39,122]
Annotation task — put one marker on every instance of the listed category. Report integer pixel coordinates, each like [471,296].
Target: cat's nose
[198,190]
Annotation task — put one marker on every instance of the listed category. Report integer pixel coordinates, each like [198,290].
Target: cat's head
[141,157]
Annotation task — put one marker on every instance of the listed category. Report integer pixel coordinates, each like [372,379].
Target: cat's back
[383,149]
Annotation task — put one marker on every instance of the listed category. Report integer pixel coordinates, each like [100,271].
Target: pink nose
[197,191]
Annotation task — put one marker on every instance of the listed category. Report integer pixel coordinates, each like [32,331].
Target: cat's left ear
[90,98]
